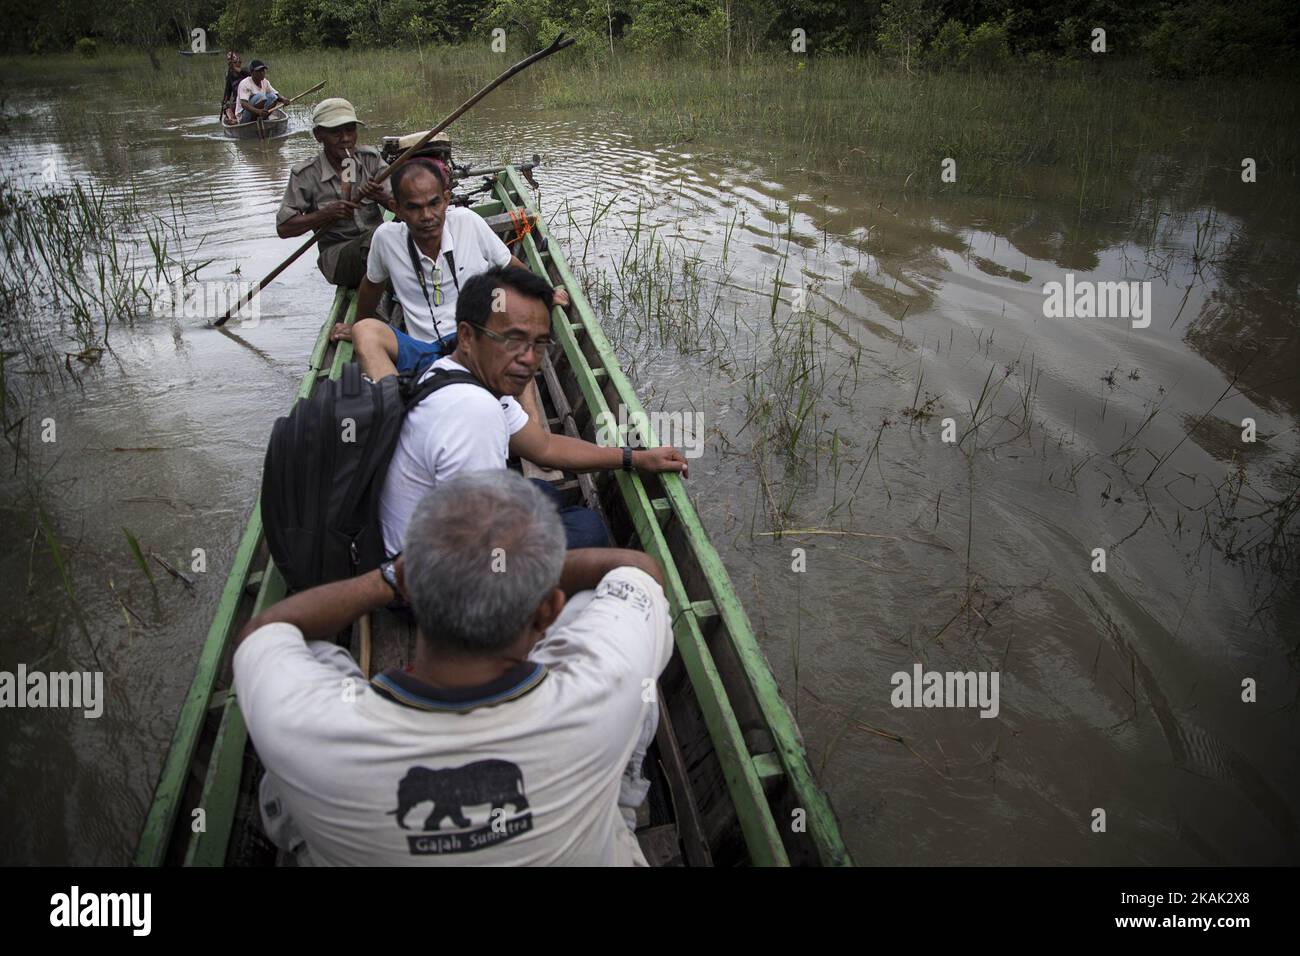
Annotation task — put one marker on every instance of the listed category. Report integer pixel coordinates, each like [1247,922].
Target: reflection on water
[1119,690]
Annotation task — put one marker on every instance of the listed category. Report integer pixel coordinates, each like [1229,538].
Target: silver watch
[388,571]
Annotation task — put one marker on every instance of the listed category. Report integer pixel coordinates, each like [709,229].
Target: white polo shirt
[460,427]
[247,89]
[386,774]
[474,247]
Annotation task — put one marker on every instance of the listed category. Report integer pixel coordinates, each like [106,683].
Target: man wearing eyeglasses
[503,319]
[428,254]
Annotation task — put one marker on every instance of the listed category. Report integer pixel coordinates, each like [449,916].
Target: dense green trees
[1179,38]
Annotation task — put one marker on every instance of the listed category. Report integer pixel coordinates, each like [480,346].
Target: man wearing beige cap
[333,189]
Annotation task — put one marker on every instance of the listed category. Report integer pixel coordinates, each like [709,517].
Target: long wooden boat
[276,125]
[730,781]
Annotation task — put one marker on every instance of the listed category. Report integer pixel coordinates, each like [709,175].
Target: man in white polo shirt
[255,97]
[504,319]
[506,739]
[428,254]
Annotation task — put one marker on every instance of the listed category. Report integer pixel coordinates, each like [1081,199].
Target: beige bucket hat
[334,111]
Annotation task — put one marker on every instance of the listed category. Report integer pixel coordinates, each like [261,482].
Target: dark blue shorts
[415,356]
[582,526]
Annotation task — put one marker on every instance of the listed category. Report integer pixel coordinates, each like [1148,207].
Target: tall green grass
[1098,128]
[861,115]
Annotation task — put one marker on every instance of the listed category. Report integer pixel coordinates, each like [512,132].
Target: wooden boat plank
[690,828]
[161,818]
[660,845]
[220,789]
[530,469]
[207,847]
[585,481]
[502,224]
[821,825]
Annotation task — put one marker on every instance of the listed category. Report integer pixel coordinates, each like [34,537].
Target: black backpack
[325,468]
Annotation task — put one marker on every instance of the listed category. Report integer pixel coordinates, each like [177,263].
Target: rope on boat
[523,225]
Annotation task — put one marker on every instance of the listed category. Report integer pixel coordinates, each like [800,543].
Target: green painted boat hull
[734,782]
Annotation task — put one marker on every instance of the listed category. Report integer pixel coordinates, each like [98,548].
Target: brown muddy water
[823,327]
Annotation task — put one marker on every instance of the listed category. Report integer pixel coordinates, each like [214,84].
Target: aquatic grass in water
[74,262]
[860,115]
[138,554]
[655,292]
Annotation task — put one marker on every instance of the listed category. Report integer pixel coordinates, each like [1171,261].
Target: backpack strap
[414,393]
[350,380]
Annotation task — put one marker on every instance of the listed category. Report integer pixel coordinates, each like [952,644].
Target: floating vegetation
[78,262]
[138,554]
[76,256]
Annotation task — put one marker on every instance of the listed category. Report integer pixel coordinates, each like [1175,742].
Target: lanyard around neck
[419,274]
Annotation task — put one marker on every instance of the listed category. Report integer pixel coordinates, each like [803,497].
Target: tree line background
[1188,38]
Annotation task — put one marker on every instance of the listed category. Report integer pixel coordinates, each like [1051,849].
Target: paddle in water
[293,99]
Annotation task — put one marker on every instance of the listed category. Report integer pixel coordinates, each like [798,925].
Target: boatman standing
[334,189]
[235,74]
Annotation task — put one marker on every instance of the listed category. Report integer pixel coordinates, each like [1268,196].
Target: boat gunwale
[274,121]
[169,791]
[788,744]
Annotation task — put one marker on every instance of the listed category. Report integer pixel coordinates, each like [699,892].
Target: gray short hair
[467,595]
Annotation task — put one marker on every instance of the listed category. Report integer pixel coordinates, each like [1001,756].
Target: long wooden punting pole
[261,131]
[559,43]
[293,99]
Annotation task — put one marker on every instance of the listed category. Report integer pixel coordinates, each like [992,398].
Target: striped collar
[403,688]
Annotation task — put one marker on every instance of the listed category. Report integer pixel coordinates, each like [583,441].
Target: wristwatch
[627,458]
[388,571]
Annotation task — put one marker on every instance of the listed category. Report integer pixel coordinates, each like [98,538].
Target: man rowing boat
[229,97]
[255,96]
[503,317]
[334,190]
[517,734]
[428,255]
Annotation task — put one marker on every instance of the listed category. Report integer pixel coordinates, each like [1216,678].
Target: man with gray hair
[506,738]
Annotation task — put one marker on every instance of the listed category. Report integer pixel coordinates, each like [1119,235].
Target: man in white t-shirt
[504,321]
[255,96]
[506,740]
[428,254]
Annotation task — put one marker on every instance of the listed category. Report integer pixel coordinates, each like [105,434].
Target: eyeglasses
[517,344]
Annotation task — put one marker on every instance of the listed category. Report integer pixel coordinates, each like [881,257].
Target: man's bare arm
[323,611]
[584,567]
[544,447]
[562,298]
[306,222]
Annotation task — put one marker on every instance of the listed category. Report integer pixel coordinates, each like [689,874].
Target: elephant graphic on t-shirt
[492,782]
